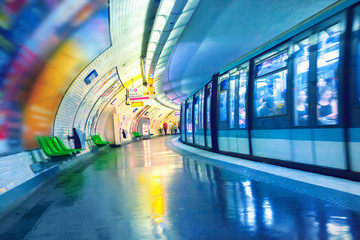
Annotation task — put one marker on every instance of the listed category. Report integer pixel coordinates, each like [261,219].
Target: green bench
[49,149]
[63,147]
[98,141]
[137,135]
[54,147]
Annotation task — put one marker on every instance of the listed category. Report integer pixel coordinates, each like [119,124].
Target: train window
[196,112]
[189,119]
[223,99]
[208,103]
[270,86]
[356,36]
[183,121]
[327,75]
[270,95]
[232,100]
[201,109]
[272,64]
[242,97]
[301,72]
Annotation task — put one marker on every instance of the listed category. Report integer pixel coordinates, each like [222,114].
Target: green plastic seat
[53,148]
[98,141]
[95,140]
[58,148]
[47,150]
[63,147]
[102,141]
[137,134]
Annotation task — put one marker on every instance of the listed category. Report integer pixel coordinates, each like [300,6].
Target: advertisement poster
[44,45]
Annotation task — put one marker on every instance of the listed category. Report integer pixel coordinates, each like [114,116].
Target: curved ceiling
[220,32]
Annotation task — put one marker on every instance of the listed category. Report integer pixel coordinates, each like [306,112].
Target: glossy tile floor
[146,191]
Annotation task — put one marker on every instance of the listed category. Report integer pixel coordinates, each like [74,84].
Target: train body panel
[296,104]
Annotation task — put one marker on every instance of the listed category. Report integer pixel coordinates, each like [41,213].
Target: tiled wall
[14,170]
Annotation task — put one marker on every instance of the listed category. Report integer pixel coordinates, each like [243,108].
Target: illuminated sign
[91,76]
[114,101]
[136,94]
[137,104]
[140,94]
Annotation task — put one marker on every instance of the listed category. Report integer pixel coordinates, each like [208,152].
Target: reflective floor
[145,191]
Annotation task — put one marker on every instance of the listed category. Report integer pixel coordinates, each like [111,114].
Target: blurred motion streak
[44,45]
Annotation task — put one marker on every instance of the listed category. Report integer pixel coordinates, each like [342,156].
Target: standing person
[302,108]
[165,126]
[161,129]
[327,109]
[179,127]
[175,129]
[171,127]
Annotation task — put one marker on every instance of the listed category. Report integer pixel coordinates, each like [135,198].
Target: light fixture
[113,101]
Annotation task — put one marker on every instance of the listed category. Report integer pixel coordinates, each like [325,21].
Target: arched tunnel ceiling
[220,32]
[127,29]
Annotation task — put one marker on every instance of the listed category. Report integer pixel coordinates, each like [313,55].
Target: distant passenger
[266,108]
[175,129]
[302,108]
[242,115]
[161,129]
[171,127]
[165,126]
[280,106]
[327,109]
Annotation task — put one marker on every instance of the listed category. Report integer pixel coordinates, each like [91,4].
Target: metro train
[294,101]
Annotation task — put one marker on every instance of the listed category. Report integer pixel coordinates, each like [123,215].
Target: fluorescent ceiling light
[166,7]
[113,101]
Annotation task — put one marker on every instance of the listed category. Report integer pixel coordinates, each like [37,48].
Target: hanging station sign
[136,94]
[139,94]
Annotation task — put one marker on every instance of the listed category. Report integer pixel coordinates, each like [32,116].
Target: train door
[207,106]
[196,118]
[199,137]
[232,133]
[223,105]
[318,91]
[242,136]
[189,120]
[328,135]
[301,134]
[354,92]
[182,122]
[317,136]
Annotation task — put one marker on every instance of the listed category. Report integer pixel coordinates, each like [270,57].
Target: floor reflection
[266,212]
[145,191]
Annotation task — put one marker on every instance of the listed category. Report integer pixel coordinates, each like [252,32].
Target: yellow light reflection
[157,199]
[154,186]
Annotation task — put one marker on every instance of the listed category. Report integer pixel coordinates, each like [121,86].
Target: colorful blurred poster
[44,45]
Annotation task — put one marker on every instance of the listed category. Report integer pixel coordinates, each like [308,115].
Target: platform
[162,189]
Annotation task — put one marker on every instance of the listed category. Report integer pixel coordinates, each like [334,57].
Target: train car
[293,102]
